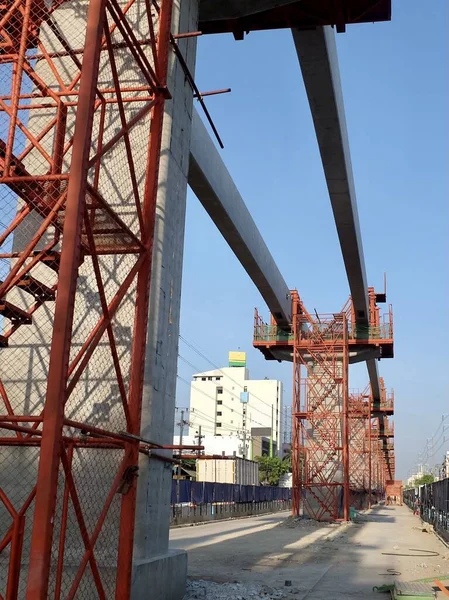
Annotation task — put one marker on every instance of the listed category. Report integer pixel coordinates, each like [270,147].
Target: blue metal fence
[203,492]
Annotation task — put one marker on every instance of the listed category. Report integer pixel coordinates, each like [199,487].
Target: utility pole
[199,437]
[243,436]
[181,423]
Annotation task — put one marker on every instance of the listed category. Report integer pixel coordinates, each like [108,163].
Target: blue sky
[396,91]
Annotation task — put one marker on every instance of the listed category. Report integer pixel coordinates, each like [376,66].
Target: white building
[240,414]
[444,469]
[420,472]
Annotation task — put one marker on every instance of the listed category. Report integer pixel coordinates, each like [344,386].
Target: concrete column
[95,399]
[155,567]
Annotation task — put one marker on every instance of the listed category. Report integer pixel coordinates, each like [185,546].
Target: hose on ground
[428,553]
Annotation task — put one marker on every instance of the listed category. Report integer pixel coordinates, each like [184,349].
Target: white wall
[215,405]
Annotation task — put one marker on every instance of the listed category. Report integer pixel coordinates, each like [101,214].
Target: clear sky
[395,79]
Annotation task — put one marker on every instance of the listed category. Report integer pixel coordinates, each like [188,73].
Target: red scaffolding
[360,443]
[320,415]
[81,107]
[341,444]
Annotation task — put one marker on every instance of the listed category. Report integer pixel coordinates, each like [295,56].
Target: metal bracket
[128,477]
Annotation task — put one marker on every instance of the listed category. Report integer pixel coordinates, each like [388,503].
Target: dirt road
[329,562]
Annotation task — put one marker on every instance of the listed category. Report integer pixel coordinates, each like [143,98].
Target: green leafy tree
[287,460]
[272,469]
[424,479]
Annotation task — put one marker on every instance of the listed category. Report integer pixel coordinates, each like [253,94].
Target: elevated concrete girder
[213,185]
[317,55]
[211,182]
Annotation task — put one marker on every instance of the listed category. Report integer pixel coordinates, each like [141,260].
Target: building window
[219,401]
[219,390]
[218,424]
[219,413]
[217,378]
[203,379]
[232,422]
[209,378]
[245,389]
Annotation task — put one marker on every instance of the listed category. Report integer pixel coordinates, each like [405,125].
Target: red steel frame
[320,414]
[360,442]
[77,221]
[341,443]
[371,445]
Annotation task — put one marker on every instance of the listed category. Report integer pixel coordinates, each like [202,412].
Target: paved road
[323,562]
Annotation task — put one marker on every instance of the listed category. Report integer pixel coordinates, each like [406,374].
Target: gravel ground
[209,590]
[306,523]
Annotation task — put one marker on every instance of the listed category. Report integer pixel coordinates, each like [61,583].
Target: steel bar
[194,87]
[42,534]
[127,520]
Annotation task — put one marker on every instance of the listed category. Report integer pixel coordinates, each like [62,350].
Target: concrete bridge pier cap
[160,573]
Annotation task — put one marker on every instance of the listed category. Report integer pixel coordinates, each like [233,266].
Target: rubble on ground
[209,590]
[306,522]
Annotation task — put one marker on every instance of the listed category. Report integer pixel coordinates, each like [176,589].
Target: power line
[190,345]
[230,427]
[227,389]
[196,411]
[427,452]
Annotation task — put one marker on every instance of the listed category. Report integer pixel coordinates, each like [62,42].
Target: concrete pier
[155,566]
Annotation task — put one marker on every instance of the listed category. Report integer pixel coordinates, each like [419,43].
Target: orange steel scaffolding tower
[82,92]
[381,410]
[333,448]
[360,443]
[320,414]
[371,462]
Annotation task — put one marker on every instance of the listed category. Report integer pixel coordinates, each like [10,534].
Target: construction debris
[305,522]
[209,590]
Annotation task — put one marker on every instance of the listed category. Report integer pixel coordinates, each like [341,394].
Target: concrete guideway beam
[373,374]
[317,55]
[213,185]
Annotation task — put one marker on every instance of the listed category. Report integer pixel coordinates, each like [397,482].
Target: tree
[424,479]
[272,469]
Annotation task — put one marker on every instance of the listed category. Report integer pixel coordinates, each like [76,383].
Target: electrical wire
[202,355]
[425,454]
[217,368]
[227,389]
[229,427]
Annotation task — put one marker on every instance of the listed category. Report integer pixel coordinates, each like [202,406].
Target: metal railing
[274,334]
[433,504]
